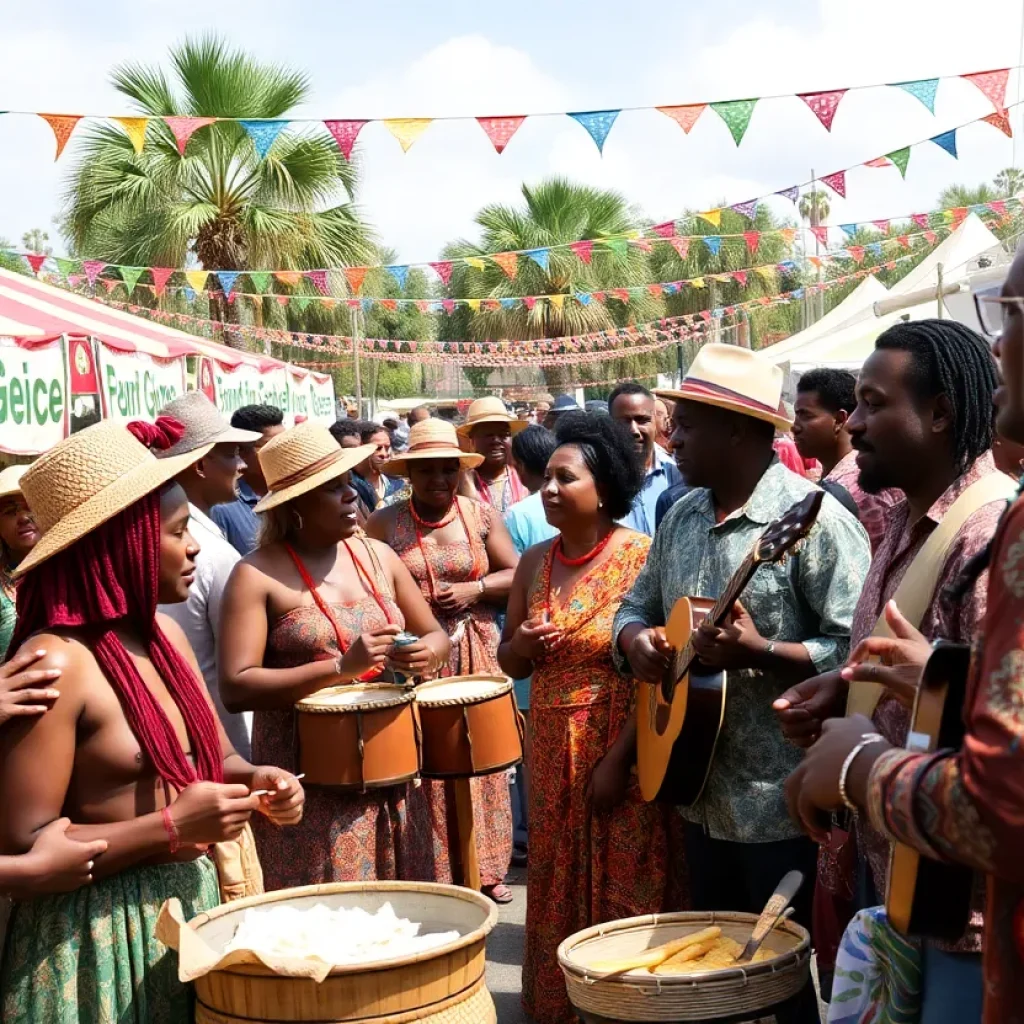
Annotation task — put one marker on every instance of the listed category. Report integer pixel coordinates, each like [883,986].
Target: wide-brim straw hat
[431,439]
[86,480]
[490,410]
[10,480]
[302,459]
[204,425]
[735,379]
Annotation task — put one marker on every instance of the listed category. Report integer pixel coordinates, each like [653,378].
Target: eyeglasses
[993,311]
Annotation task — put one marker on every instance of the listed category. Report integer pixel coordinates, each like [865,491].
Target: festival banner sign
[245,384]
[34,390]
[136,386]
[312,396]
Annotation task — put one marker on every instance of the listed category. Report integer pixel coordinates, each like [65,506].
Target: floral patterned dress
[587,868]
[475,634]
[343,837]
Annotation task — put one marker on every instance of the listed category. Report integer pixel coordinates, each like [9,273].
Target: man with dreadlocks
[131,750]
[923,425]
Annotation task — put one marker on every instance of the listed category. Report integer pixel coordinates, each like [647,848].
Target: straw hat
[301,459]
[735,379]
[204,425]
[86,480]
[431,439]
[490,410]
[10,480]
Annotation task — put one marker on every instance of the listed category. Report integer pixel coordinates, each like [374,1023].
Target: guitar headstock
[784,533]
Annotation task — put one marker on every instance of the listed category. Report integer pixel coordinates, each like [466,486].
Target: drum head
[462,690]
[340,700]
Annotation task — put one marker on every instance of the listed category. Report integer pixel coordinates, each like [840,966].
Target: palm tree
[219,205]
[555,212]
[37,241]
[814,207]
[964,195]
[1009,181]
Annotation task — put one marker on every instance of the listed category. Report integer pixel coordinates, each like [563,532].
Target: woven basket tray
[712,995]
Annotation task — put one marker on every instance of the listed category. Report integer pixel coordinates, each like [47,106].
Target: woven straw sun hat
[10,480]
[431,439]
[204,424]
[301,460]
[735,379]
[86,480]
[490,410]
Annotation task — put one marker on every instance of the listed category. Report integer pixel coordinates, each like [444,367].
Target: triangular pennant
[904,240]
[473,304]
[713,243]
[997,206]
[65,267]
[685,116]
[736,114]
[318,279]
[747,209]
[598,124]
[539,256]
[35,260]
[876,249]
[923,89]
[857,252]
[836,182]
[227,280]
[290,278]
[443,271]
[500,129]
[848,229]
[655,290]
[301,302]
[508,303]
[75,280]
[666,230]
[697,282]
[789,234]
[345,134]
[475,262]
[958,215]
[530,301]
[161,275]
[821,234]
[355,277]
[930,237]
[583,298]
[643,244]
[681,246]
[182,128]
[93,269]
[900,158]
[190,294]
[423,305]
[110,284]
[400,274]
[619,246]
[135,129]
[921,220]
[263,134]
[583,250]
[130,276]
[882,225]
[622,294]
[946,141]
[879,161]
[260,280]
[407,129]
[557,300]
[282,299]
[992,84]
[62,125]
[1001,120]
[740,277]
[792,194]
[753,240]
[824,105]
[713,217]
[197,279]
[508,261]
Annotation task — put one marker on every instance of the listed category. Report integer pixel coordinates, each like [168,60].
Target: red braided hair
[106,579]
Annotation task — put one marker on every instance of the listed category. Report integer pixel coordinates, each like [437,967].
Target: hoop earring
[298,518]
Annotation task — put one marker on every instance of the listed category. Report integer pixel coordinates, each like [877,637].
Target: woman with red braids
[131,749]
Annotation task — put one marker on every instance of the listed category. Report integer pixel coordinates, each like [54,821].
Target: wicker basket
[440,986]
[737,993]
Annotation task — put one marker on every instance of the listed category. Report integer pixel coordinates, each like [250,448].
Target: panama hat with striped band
[431,439]
[734,379]
[490,410]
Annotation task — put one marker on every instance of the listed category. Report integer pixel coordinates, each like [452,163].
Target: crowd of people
[170,591]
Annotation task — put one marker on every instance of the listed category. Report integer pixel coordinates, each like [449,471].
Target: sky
[417,59]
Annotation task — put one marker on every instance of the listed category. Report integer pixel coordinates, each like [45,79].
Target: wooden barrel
[736,993]
[438,986]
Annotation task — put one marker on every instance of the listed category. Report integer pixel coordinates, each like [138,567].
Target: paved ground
[505,954]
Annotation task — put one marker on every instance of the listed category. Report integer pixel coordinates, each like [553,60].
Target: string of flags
[598,345]
[177,130]
[768,272]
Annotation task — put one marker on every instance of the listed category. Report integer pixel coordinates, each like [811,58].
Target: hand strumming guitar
[734,645]
[648,655]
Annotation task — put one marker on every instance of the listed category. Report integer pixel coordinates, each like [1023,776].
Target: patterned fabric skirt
[90,956]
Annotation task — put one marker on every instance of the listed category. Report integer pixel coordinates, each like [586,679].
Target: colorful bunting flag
[666,230]
[904,240]
[182,128]
[681,246]
[792,194]
[824,105]
[644,244]
[821,234]
[400,274]
[848,229]
[407,129]
[35,260]
[500,129]
[598,124]
[1001,120]
[473,304]
[685,116]
[736,114]
[557,300]
[836,182]
[921,220]
[923,89]
[110,284]
[161,275]
[931,237]
[713,243]
[62,126]
[290,278]
[227,279]
[197,279]
[130,276]
[475,262]
[135,129]
[65,267]
[992,84]
[443,271]
[753,240]
[318,279]
[355,277]
[946,141]
[619,246]
[263,134]
[93,269]
[747,209]
[882,225]
[857,252]
[539,256]
[900,158]
[997,206]
[345,134]
[740,277]
[788,234]
[879,161]
[260,280]
[583,250]
[301,302]
[508,261]
[713,217]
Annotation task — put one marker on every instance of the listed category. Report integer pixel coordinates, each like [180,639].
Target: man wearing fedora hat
[488,431]
[209,482]
[793,620]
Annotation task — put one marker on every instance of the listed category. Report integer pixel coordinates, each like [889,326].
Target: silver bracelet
[865,741]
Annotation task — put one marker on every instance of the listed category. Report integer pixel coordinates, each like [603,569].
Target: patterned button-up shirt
[967,806]
[872,508]
[809,598]
[944,619]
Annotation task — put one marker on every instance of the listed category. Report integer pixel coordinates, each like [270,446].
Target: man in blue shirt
[632,404]
[237,520]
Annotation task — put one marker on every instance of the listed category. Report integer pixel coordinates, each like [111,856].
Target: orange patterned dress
[587,868]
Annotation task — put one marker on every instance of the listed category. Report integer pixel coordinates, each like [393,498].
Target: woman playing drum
[462,557]
[317,605]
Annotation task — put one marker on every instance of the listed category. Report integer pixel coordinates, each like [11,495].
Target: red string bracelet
[174,841]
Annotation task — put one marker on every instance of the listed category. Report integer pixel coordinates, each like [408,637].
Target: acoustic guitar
[679,720]
[927,896]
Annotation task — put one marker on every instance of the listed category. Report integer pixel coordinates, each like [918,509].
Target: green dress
[90,956]
[8,616]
